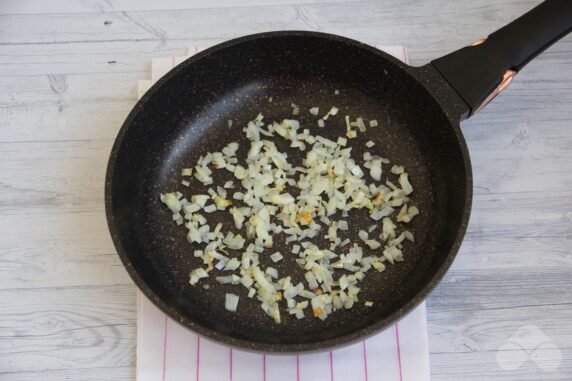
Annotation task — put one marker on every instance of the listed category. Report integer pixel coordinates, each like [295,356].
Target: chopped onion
[295,109]
[276,195]
[405,185]
[388,229]
[360,124]
[196,275]
[200,199]
[231,302]
[276,257]
[375,170]
[397,169]
[373,244]
[229,279]
[210,208]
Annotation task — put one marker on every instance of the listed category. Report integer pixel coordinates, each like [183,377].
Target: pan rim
[256,346]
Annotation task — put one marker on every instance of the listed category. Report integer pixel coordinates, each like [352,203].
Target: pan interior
[187,116]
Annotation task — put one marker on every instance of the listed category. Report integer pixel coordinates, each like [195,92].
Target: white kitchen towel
[166,351]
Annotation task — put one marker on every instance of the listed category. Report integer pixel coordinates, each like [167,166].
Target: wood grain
[67,81]
[67,327]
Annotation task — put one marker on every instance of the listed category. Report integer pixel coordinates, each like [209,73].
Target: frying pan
[185,115]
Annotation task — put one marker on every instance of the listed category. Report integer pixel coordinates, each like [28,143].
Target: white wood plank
[33,7]
[481,365]
[487,329]
[465,344]
[501,289]
[90,373]
[162,26]
[59,250]
[50,328]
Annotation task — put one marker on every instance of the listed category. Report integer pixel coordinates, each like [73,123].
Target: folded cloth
[166,351]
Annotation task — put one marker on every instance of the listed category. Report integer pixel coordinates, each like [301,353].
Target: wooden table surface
[67,81]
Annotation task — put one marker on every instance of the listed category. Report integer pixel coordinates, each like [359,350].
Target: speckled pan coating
[185,115]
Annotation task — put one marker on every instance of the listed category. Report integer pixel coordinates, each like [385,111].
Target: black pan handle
[480,71]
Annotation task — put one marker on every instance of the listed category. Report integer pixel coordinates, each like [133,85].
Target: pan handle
[481,71]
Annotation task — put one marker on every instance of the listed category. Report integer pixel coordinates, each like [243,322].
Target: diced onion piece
[210,208]
[196,275]
[200,199]
[393,254]
[232,265]
[203,175]
[373,244]
[363,235]
[276,257]
[397,169]
[231,302]
[388,229]
[282,199]
[405,185]
[229,279]
[222,203]
[409,236]
[406,214]
[295,109]
[172,201]
[235,242]
[375,170]
[333,111]
[360,124]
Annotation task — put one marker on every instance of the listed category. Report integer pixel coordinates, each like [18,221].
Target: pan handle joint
[479,72]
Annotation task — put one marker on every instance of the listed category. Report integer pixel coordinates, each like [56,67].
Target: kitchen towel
[166,351]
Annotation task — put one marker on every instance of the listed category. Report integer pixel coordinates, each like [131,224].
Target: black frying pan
[185,115]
